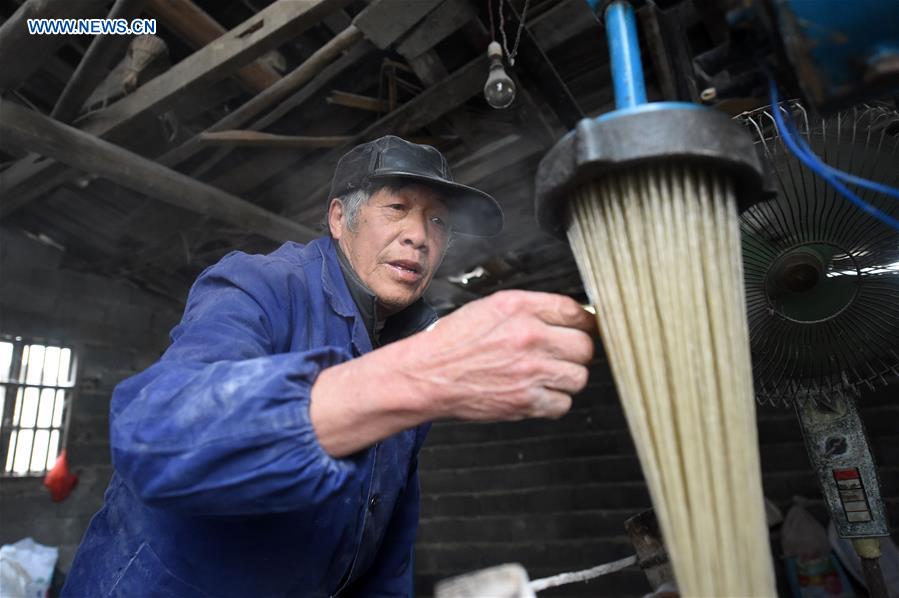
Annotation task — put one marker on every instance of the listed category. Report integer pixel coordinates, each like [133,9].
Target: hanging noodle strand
[659,252]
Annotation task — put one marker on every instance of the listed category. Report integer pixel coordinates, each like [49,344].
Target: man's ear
[335,218]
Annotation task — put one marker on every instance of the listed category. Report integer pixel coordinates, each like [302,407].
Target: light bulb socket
[494,50]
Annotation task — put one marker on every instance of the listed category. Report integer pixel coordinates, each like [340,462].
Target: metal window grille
[36,384]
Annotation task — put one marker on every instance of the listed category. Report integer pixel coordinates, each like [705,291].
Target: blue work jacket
[220,486]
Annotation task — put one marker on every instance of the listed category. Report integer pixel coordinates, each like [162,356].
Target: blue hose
[831,175]
[624,55]
[840,174]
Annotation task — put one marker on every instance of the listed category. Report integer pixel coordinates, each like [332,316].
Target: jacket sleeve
[392,573]
[220,424]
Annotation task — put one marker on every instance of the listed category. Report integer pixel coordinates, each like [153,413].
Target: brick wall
[553,495]
[116,330]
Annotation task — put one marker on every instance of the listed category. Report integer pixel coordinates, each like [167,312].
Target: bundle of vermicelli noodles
[658,249]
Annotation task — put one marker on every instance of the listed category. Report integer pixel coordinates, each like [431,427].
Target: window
[36,382]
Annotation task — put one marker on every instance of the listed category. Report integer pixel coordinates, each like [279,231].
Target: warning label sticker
[852,495]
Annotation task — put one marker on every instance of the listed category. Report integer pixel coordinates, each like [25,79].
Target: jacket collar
[338,294]
[364,299]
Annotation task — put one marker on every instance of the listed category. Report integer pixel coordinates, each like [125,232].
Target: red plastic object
[59,480]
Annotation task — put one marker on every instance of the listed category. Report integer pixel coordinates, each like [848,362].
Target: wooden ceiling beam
[197,28]
[565,20]
[428,67]
[296,99]
[544,74]
[382,21]
[385,21]
[313,65]
[424,109]
[243,138]
[95,63]
[34,132]
[496,156]
[24,53]
[437,25]
[31,177]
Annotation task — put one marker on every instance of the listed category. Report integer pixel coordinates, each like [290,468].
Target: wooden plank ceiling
[245,109]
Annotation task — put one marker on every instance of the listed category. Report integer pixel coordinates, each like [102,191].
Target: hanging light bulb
[499,89]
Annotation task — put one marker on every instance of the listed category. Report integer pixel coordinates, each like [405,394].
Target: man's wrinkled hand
[512,355]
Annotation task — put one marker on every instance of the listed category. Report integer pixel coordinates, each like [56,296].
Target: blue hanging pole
[624,55]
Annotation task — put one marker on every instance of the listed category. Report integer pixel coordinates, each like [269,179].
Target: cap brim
[473,212]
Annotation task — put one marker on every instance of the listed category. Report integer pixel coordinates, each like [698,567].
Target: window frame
[12,386]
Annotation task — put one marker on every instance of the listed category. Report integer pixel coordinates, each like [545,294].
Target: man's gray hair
[351,202]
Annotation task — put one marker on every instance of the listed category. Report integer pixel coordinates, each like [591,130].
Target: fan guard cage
[822,276]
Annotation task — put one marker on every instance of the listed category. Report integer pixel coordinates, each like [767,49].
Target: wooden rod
[353,100]
[260,139]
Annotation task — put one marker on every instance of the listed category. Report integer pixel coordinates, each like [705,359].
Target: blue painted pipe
[624,55]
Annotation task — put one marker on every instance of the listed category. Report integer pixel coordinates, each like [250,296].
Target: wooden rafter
[385,21]
[197,28]
[293,101]
[242,138]
[31,177]
[436,26]
[431,104]
[553,88]
[23,53]
[382,22]
[34,132]
[563,21]
[94,64]
[271,96]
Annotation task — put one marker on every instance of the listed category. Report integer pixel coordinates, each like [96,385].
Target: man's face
[398,242]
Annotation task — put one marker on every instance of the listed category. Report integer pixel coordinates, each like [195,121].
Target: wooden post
[34,132]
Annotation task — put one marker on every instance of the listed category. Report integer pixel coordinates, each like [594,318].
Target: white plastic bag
[26,569]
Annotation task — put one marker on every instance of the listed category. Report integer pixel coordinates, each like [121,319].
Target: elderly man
[272,450]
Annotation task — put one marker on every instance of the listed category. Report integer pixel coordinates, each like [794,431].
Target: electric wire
[827,173]
[800,350]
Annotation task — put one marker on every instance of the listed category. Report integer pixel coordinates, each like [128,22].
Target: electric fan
[822,294]
[822,276]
